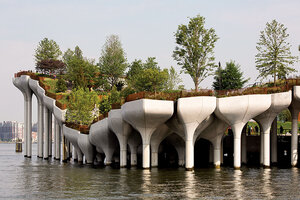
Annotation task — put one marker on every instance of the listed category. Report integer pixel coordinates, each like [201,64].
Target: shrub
[61,85]
[114,96]
[82,107]
[127,91]
[104,105]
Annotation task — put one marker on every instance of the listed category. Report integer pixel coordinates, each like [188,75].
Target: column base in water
[189,169]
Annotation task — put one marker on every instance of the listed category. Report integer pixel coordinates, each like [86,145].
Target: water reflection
[237,182]
[266,186]
[23,178]
[190,190]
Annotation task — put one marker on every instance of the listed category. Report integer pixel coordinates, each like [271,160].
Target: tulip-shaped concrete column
[122,130]
[158,136]
[22,83]
[60,119]
[237,111]
[134,141]
[146,115]
[72,136]
[49,103]
[294,109]
[34,87]
[101,137]
[279,101]
[214,133]
[179,144]
[191,112]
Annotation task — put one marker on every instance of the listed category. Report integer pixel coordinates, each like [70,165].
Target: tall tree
[112,62]
[151,80]
[194,50]
[81,71]
[147,76]
[229,78]
[82,106]
[274,56]
[173,80]
[46,50]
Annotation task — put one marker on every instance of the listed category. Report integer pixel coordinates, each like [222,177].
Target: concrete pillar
[79,155]
[274,142]
[133,156]
[69,150]
[59,135]
[217,151]
[154,159]
[29,126]
[294,142]
[146,154]
[189,145]
[54,138]
[261,158]
[50,132]
[64,154]
[46,132]
[123,156]
[244,148]
[25,127]
[266,148]
[237,130]
[75,156]
[221,150]
[189,154]
[40,128]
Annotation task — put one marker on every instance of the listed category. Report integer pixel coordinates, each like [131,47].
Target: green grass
[52,83]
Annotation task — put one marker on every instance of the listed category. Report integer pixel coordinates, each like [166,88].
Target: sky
[146,29]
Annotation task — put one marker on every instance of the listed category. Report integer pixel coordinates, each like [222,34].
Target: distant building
[10,130]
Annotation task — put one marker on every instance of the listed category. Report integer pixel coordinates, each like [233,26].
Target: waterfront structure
[10,130]
[142,126]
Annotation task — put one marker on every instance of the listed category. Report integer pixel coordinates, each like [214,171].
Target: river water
[23,178]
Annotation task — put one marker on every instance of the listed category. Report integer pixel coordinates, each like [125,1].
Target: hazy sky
[146,29]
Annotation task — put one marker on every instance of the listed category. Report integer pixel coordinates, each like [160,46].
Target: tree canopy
[80,71]
[274,56]
[229,78]
[194,50]
[83,106]
[50,66]
[174,80]
[47,49]
[46,56]
[112,62]
[147,76]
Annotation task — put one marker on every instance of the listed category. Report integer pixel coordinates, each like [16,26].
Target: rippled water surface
[22,178]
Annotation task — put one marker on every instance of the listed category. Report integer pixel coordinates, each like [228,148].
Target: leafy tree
[135,68]
[147,76]
[114,96]
[47,49]
[81,107]
[194,50]
[80,71]
[274,55]
[173,80]
[112,62]
[61,85]
[104,105]
[229,78]
[151,80]
[120,85]
[50,66]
